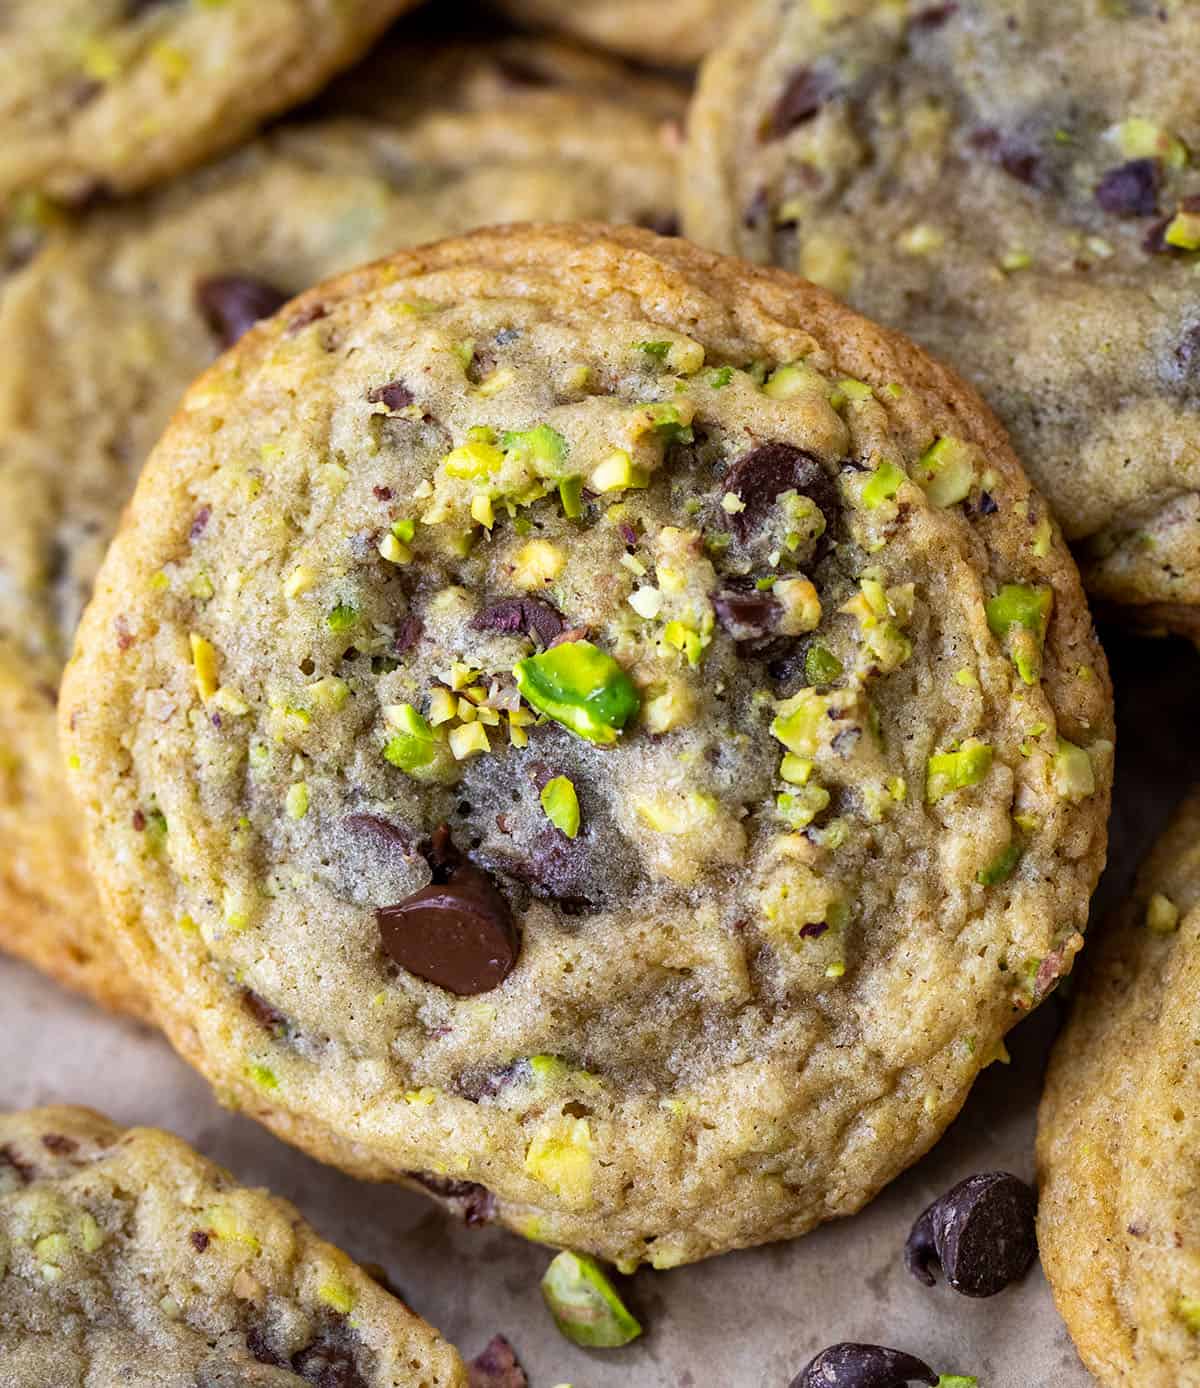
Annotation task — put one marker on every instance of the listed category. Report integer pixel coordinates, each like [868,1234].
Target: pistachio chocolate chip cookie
[115,320]
[1017,187]
[127,1258]
[664,33]
[1117,1144]
[114,95]
[627,740]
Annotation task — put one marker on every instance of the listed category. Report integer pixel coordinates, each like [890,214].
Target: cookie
[113,95]
[1117,1134]
[643,746]
[116,319]
[671,34]
[126,1257]
[1014,186]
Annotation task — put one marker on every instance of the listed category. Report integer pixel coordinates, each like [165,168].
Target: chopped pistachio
[955,770]
[676,814]
[296,800]
[1074,778]
[798,721]
[1019,615]
[263,1076]
[1142,139]
[821,666]
[469,739]
[581,687]
[560,1158]
[473,460]
[585,1305]
[957,1381]
[337,1294]
[882,485]
[537,563]
[646,602]
[1162,915]
[1187,1308]
[946,471]
[413,744]
[496,381]
[394,550]
[570,493]
[800,606]
[801,807]
[561,805]
[342,618]
[721,377]
[300,580]
[1183,231]
[922,239]
[204,663]
[1001,868]
[616,473]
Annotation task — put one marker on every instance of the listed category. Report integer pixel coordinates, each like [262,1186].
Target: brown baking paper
[750,1319]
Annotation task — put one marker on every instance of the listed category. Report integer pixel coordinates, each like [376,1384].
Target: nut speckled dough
[117,94]
[665,33]
[734,966]
[1004,182]
[111,335]
[1117,1139]
[127,1258]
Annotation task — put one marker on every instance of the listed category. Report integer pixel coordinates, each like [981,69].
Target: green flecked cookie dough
[1117,1146]
[127,1258]
[113,95]
[1016,186]
[638,745]
[112,326]
[662,33]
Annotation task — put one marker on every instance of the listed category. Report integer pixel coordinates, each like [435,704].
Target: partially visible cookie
[127,1258]
[1119,1133]
[662,33]
[112,95]
[628,740]
[1017,187]
[116,319]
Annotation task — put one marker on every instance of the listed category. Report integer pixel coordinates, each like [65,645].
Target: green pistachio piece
[585,1304]
[1000,869]
[951,771]
[570,493]
[882,485]
[1074,778]
[821,666]
[581,687]
[1183,231]
[946,471]
[957,1381]
[657,351]
[1019,614]
[668,422]
[342,618]
[413,744]
[542,446]
[721,377]
[561,805]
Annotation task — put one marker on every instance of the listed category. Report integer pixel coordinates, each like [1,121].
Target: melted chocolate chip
[1131,190]
[539,620]
[981,1232]
[472,1203]
[232,304]
[863,1366]
[327,1366]
[759,476]
[256,1343]
[24,1170]
[383,832]
[987,504]
[458,934]
[199,1240]
[557,869]
[496,1367]
[806,91]
[746,616]
[665,223]
[59,1144]
[395,395]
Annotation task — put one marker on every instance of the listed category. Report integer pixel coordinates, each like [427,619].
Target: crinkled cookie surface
[596,728]
[118,317]
[127,1258]
[1016,185]
[1117,1139]
[112,95]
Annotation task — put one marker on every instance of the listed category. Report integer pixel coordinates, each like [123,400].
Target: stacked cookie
[562,718]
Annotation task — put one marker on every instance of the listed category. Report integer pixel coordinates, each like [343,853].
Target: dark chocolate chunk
[328,1366]
[863,1366]
[981,1232]
[539,620]
[408,633]
[746,616]
[232,304]
[199,1239]
[555,868]
[257,1344]
[262,1011]
[472,1203]
[395,395]
[1018,160]
[59,1144]
[662,222]
[806,91]
[759,476]
[987,504]
[496,1367]
[385,833]
[1131,190]
[458,934]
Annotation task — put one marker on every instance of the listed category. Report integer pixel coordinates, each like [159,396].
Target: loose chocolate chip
[232,304]
[746,616]
[539,620]
[496,1367]
[806,91]
[759,476]
[395,395]
[199,1240]
[59,1144]
[981,1232]
[863,1366]
[1131,190]
[24,1170]
[472,1203]
[327,1366]
[458,934]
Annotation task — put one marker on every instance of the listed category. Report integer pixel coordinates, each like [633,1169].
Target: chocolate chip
[232,304]
[24,1170]
[395,395]
[458,934]
[539,620]
[496,1367]
[199,522]
[987,504]
[327,1366]
[746,616]
[933,17]
[472,1203]
[759,476]
[665,223]
[256,1343]
[59,1144]
[1131,190]
[199,1240]
[863,1366]
[1017,160]
[385,833]
[806,91]
[981,1232]
[557,869]
[262,1011]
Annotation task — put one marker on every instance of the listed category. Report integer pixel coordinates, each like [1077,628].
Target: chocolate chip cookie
[1016,186]
[626,741]
[126,1257]
[1117,1134]
[661,33]
[113,95]
[115,320]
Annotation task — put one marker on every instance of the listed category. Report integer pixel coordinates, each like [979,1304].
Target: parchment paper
[750,1319]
